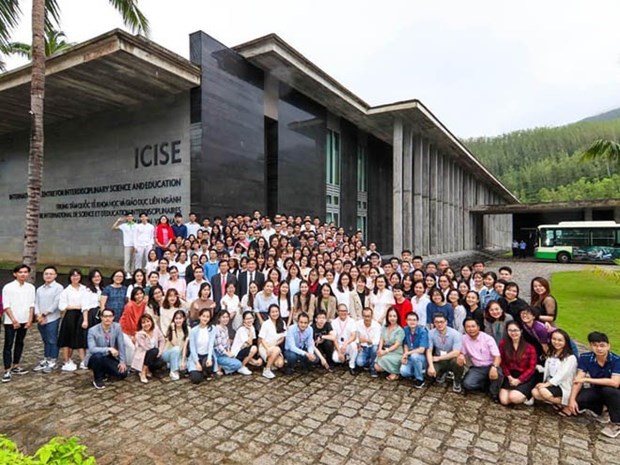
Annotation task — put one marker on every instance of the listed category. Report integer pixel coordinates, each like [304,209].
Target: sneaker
[352,371]
[603,418]
[612,430]
[529,402]
[83,366]
[244,371]
[99,384]
[7,377]
[51,364]
[41,366]
[456,387]
[449,375]
[374,374]
[418,384]
[174,376]
[69,366]
[267,373]
[18,371]
[442,379]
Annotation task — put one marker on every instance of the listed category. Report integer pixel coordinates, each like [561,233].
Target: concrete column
[418,180]
[454,205]
[441,230]
[433,202]
[446,204]
[465,212]
[426,231]
[407,189]
[459,208]
[617,214]
[397,187]
[448,212]
[587,214]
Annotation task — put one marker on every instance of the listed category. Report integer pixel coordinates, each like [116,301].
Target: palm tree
[602,149]
[54,43]
[46,14]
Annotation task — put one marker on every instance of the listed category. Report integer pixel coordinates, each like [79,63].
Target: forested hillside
[543,164]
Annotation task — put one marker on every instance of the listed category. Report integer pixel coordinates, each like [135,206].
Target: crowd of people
[250,294]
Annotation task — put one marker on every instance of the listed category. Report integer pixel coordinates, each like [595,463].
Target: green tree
[54,43]
[602,149]
[46,17]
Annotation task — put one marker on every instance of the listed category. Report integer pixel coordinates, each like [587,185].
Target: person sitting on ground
[390,351]
[518,366]
[150,344]
[368,337]
[106,350]
[324,338]
[130,319]
[177,340]
[225,359]
[201,341]
[600,368]
[560,370]
[243,346]
[444,348]
[270,339]
[299,346]
[345,347]
[413,363]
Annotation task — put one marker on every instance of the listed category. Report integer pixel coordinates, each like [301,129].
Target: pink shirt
[481,350]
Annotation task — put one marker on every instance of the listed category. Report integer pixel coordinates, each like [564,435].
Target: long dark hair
[152,302]
[280,326]
[91,275]
[509,349]
[74,271]
[173,326]
[319,300]
[568,348]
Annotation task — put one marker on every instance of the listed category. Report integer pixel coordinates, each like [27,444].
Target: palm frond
[2,66]
[52,15]
[10,13]
[602,149]
[19,48]
[132,16]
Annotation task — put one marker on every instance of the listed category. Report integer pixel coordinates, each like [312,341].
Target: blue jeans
[366,357]
[172,356]
[105,365]
[49,335]
[415,367]
[228,364]
[292,359]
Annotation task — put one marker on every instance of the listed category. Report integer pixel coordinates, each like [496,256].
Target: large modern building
[133,126]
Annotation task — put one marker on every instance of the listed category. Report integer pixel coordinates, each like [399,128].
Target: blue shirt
[487,295]
[452,340]
[210,269]
[116,299]
[299,342]
[418,339]
[445,310]
[587,363]
[179,230]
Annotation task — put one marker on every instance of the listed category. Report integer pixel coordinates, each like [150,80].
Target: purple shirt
[481,351]
[538,331]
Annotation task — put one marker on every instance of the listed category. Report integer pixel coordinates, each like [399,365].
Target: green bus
[593,241]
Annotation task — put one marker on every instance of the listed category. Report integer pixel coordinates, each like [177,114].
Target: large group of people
[251,294]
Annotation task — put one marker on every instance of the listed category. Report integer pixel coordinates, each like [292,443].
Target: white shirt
[284,307]
[419,306]
[191,293]
[267,233]
[71,297]
[19,298]
[91,299]
[231,304]
[151,266]
[241,337]
[143,235]
[380,302]
[343,329]
[128,233]
[192,228]
[269,334]
[343,297]
[373,333]
[202,343]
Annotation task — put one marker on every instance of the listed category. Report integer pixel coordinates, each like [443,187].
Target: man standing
[246,277]
[416,343]
[299,345]
[267,230]
[144,239]
[368,337]
[106,350]
[444,348]
[127,228]
[18,299]
[193,287]
[483,353]
[192,225]
[180,230]
[219,282]
[47,314]
[346,334]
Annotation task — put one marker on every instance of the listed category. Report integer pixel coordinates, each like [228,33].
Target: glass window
[332,158]
[572,237]
[362,169]
[603,237]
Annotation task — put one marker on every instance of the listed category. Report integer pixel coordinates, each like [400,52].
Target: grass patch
[587,302]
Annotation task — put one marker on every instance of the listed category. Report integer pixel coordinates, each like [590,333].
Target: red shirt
[164,233]
[526,365]
[403,308]
[131,316]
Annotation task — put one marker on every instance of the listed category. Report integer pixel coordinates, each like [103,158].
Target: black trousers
[105,365]
[12,355]
[152,361]
[595,397]
[197,377]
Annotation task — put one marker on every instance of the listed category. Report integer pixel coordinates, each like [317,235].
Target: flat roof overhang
[274,55]
[108,72]
[546,207]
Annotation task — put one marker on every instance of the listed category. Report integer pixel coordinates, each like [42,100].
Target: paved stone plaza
[320,417]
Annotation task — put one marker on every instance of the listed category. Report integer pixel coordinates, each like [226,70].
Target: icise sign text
[163,153]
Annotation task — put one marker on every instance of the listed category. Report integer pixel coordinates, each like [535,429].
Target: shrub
[58,451]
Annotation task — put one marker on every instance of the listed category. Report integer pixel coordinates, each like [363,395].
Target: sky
[483,67]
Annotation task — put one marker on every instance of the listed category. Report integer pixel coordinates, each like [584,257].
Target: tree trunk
[35,159]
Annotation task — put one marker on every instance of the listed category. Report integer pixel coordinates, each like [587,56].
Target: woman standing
[201,341]
[327,301]
[113,295]
[91,298]
[230,302]
[560,371]
[495,321]
[224,356]
[472,307]
[359,299]
[203,301]
[381,299]
[150,345]
[138,280]
[156,299]
[284,301]
[164,235]
[270,339]
[170,305]
[247,301]
[542,300]
[175,282]
[152,263]
[304,301]
[177,339]
[436,305]
[130,320]
[511,302]
[73,327]
[518,366]
[458,310]
[420,301]
[344,289]
[293,278]
[390,349]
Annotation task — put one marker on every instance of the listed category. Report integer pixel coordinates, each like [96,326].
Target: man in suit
[106,350]
[251,274]
[219,282]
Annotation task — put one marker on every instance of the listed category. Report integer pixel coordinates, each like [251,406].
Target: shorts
[523,388]
[556,391]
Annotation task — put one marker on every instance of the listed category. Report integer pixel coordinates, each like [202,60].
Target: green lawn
[587,302]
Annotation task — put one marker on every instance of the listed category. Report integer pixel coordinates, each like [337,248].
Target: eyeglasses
[107,316]
[514,330]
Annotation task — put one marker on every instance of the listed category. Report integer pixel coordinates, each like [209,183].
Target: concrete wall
[97,156]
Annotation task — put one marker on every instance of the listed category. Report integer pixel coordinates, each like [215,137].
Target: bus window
[572,237]
[603,237]
[548,237]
